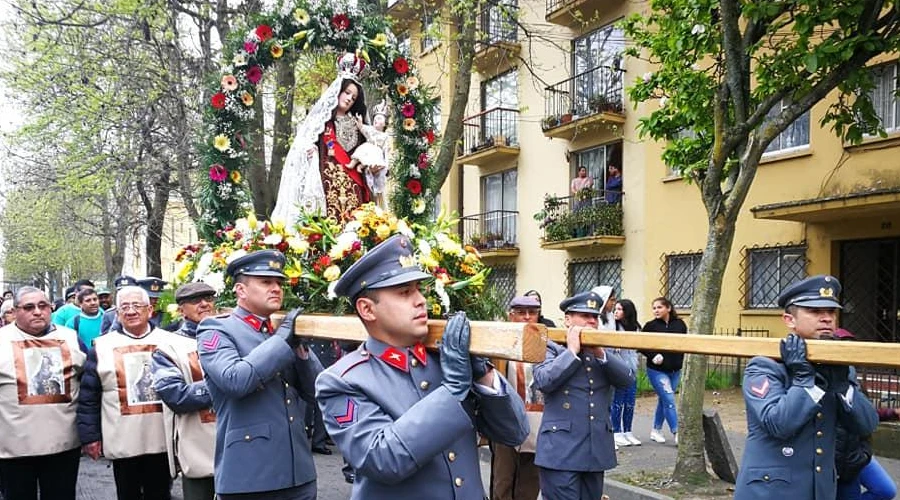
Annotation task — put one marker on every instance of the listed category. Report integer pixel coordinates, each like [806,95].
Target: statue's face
[347,98]
[379,122]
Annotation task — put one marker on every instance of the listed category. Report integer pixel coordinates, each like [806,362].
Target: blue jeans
[876,481]
[622,409]
[665,383]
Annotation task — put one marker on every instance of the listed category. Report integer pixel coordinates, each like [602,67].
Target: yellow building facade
[548,97]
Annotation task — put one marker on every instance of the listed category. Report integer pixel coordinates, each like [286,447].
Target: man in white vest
[40,365]
[178,380]
[119,414]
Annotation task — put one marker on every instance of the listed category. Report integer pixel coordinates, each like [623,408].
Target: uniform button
[288,401]
[592,417]
[451,456]
[588,368]
[424,385]
[414,362]
[590,381]
[819,415]
[565,391]
[566,405]
[554,427]
[458,482]
[587,358]
[286,385]
[819,434]
[277,374]
[290,419]
[247,437]
[766,477]
[818,468]
[591,393]
[819,451]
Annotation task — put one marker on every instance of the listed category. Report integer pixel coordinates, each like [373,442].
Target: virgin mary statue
[316,174]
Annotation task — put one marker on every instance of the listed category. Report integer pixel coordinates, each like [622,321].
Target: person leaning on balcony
[513,473]
[793,406]
[613,184]
[581,191]
[575,444]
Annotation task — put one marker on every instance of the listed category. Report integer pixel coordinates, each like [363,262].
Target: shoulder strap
[75,322]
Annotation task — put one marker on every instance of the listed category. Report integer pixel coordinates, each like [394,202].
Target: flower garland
[318,251]
[298,27]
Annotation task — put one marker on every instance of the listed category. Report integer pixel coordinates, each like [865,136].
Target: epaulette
[222,316]
[352,360]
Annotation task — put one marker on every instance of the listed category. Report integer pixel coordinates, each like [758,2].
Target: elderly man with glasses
[40,365]
[178,380]
[119,413]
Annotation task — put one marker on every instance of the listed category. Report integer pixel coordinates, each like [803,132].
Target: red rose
[314,237]
[414,186]
[217,100]
[423,161]
[282,247]
[340,22]
[429,136]
[254,74]
[401,65]
[263,32]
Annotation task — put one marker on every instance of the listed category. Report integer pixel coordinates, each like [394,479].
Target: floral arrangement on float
[295,28]
[318,251]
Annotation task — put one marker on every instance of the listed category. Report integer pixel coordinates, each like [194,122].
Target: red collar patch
[257,323]
[419,352]
[395,358]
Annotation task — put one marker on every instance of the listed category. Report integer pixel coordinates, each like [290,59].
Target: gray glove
[454,351]
[286,329]
[793,354]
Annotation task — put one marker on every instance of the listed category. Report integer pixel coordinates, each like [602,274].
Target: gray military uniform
[403,432]
[258,387]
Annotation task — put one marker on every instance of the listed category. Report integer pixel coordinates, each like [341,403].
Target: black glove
[836,378]
[793,355]
[454,351]
[286,329]
[480,367]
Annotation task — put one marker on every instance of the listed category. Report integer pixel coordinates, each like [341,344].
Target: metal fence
[492,230]
[881,385]
[595,213]
[596,90]
[492,127]
[503,279]
[730,369]
[497,23]
[585,274]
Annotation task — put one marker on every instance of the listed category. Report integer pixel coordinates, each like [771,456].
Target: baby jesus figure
[373,156]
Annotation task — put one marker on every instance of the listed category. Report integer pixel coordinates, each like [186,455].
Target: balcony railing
[497,24]
[490,128]
[592,213]
[598,90]
[490,231]
[552,5]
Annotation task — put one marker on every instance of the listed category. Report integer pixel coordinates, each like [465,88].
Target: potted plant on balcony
[549,122]
[478,240]
[494,240]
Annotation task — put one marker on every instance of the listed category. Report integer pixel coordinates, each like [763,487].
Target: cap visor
[582,310]
[274,274]
[400,279]
[824,303]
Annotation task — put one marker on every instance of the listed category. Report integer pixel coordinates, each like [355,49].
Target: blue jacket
[259,389]
[169,382]
[403,432]
[790,444]
[576,431]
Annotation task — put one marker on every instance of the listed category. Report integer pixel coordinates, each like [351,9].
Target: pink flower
[423,161]
[254,74]
[250,47]
[218,172]
[264,32]
[408,110]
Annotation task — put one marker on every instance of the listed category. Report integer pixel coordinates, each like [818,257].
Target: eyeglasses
[196,300]
[43,306]
[132,307]
[524,312]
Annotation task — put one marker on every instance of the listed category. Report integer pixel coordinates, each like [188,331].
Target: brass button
[818,468]
[277,374]
[566,405]
[288,401]
[819,451]
[587,358]
[565,391]
[451,456]
[414,362]
[588,368]
[290,419]
[819,415]
[554,427]
[591,393]
[591,381]
[247,437]
[766,477]
[424,385]
[592,417]
[286,385]
[458,482]
[592,405]
[819,434]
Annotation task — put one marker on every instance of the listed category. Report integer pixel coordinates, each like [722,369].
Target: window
[795,136]
[681,273]
[500,101]
[597,160]
[887,107]
[436,116]
[498,22]
[503,279]
[430,29]
[597,57]
[498,202]
[770,270]
[403,44]
[583,276]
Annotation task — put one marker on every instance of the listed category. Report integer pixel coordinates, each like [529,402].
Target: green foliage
[643,383]
[717,381]
[600,219]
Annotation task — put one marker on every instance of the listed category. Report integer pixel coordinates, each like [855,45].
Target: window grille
[795,136]
[429,29]
[886,104]
[503,279]
[584,275]
[770,271]
[681,273]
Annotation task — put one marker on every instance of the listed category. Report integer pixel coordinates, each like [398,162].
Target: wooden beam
[492,339]
[820,351]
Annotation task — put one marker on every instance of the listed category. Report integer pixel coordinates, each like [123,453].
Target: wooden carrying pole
[820,351]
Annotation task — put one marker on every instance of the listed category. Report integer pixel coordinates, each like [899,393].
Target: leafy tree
[730,76]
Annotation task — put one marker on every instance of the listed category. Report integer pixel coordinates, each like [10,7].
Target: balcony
[592,218]
[492,233]
[584,103]
[498,42]
[570,13]
[403,11]
[490,136]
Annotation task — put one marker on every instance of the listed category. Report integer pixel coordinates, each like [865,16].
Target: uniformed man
[109,317]
[119,414]
[793,405]
[259,383]
[154,287]
[40,368]
[405,418]
[575,445]
[178,380]
[513,473]
[105,297]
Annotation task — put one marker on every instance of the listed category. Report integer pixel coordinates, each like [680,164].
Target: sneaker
[676,439]
[617,447]
[621,440]
[632,439]
[656,436]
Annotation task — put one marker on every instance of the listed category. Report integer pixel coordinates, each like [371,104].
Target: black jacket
[672,361]
[89,400]
[852,452]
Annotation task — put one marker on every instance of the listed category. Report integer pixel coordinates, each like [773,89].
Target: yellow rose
[363,232]
[332,273]
[298,244]
[383,231]
[380,40]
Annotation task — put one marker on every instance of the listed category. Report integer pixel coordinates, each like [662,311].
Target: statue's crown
[351,66]
[381,109]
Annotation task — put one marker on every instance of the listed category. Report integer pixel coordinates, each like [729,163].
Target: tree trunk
[155,220]
[257,177]
[690,466]
[281,130]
